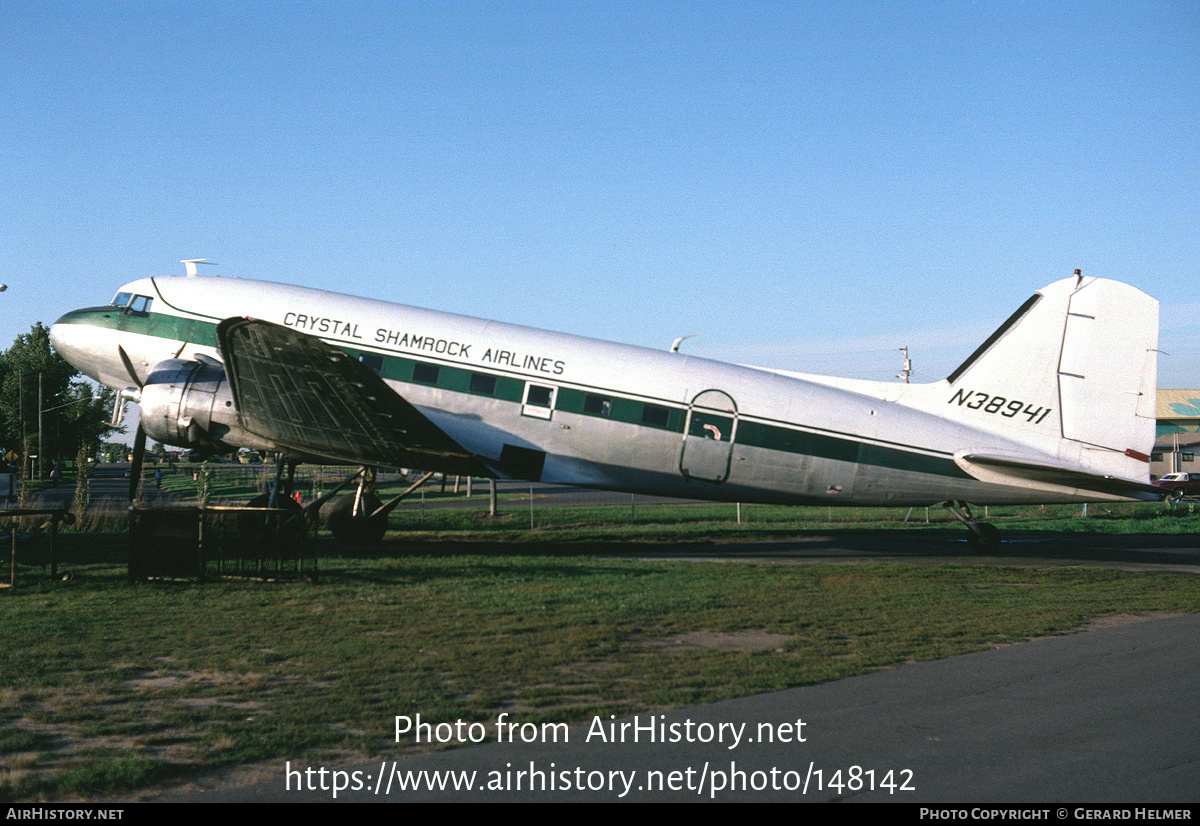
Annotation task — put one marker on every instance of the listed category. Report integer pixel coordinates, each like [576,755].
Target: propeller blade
[129,366]
[139,453]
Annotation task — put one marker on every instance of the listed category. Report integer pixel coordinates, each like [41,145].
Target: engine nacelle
[188,404]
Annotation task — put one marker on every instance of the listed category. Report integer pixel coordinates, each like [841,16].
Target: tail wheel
[986,541]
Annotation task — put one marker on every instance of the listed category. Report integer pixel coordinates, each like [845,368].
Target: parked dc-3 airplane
[1056,406]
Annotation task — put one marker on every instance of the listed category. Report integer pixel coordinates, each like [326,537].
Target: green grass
[113,775]
[114,688]
[715,521]
[160,680]
[239,483]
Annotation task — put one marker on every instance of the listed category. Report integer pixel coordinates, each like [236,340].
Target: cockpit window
[133,304]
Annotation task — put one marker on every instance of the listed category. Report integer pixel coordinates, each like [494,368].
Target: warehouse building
[1177,440]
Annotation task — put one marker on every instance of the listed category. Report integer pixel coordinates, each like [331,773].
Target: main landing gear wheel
[361,528]
[265,526]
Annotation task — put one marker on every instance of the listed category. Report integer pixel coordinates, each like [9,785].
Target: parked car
[1180,484]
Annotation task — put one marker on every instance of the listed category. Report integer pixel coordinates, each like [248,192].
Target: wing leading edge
[313,399]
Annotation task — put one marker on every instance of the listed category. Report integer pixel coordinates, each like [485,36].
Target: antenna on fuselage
[678,341]
[190,265]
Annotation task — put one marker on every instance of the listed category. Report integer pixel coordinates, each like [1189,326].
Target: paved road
[1101,716]
[1148,552]
[108,483]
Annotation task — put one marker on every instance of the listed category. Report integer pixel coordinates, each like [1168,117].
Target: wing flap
[313,399]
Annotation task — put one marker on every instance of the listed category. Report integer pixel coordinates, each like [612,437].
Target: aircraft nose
[89,339]
[58,337]
[64,338]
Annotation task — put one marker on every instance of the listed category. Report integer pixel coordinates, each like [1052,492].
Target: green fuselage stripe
[448,377]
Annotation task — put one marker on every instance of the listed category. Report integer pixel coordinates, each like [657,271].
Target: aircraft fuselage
[565,409]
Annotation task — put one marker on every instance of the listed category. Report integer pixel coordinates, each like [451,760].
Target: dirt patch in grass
[1114,620]
[1100,623]
[748,640]
[128,691]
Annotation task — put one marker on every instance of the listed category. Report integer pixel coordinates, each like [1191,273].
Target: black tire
[362,529]
[266,527]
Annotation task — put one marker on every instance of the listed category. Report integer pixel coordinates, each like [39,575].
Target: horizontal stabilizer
[1048,476]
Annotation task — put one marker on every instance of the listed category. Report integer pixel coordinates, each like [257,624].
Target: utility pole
[907,371]
[41,456]
[24,438]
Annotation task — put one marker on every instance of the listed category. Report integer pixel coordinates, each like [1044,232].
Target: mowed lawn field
[109,688]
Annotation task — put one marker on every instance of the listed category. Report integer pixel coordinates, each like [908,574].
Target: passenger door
[708,436]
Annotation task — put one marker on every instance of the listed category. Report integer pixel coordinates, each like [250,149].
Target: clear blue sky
[806,185]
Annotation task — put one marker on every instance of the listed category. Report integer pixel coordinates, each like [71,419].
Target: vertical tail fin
[1078,362]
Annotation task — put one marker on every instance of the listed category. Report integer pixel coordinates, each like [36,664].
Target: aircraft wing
[1026,472]
[313,399]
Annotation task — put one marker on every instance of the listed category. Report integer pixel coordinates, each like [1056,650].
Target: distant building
[1177,439]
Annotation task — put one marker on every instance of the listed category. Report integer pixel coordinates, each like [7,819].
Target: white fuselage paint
[750,440]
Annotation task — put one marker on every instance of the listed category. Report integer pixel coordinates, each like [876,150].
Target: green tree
[72,414]
[114,451]
[83,417]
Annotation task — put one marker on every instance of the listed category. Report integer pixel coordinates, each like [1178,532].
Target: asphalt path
[107,484]
[1105,716]
[1026,549]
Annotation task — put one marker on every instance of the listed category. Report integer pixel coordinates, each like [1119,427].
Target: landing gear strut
[352,519]
[286,523]
[359,518]
[982,537]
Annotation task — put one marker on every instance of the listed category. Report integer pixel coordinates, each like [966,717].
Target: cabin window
[539,401]
[655,415]
[482,384]
[373,361]
[595,405]
[121,299]
[425,373]
[539,396]
[140,304]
